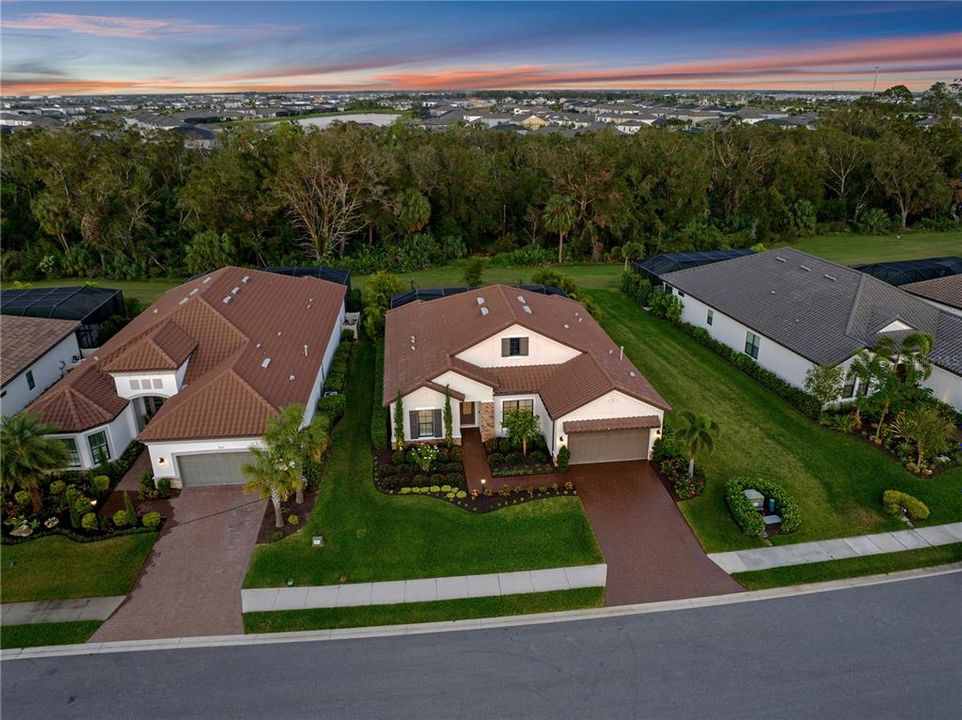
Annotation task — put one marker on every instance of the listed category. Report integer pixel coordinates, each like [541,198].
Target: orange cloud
[120,26]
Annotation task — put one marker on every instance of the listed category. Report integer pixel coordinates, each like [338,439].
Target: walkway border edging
[395,592]
[739,561]
[479,624]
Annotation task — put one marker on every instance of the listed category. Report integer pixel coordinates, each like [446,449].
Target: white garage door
[608,446]
[213,468]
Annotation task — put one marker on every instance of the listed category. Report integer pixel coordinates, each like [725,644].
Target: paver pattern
[192,580]
[838,549]
[651,552]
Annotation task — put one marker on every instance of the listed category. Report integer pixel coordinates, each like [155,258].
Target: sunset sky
[93,47]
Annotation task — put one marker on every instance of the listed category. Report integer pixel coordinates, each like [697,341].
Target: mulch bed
[267,531]
[487,503]
[882,448]
[669,486]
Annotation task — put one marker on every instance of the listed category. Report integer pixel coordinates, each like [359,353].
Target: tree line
[96,200]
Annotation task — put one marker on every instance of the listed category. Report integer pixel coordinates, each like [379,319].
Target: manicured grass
[369,536]
[144,290]
[65,633]
[852,567]
[837,480]
[854,249]
[372,615]
[54,568]
[587,275]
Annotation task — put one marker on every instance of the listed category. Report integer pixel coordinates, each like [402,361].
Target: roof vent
[278,333]
[265,362]
[305,351]
[228,299]
[193,291]
[829,277]
[805,268]
[567,326]
[258,345]
[772,292]
[205,280]
[246,279]
[413,340]
[484,311]
[526,308]
[234,290]
[291,378]
[155,311]
[521,299]
[780,258]
[631,372]
[480,300]
[183,301]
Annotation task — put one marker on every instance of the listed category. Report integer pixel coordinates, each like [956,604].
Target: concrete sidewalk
[839,549]
[54,611]
[423,590]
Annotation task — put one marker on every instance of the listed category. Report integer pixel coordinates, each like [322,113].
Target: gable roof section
[823,311]
[446,326]
[26,339]
[944,290]
[227,391]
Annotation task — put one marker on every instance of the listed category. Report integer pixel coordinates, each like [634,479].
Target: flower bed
[394,470]
[482,502]
[673,468]
[507,460]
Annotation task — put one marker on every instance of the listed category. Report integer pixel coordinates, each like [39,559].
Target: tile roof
[26,339]
[823,311]
[443,328]
[227,391]
[944,290]
[623,423]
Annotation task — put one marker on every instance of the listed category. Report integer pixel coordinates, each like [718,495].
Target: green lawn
[837,480]
[374,615]
[854,249]
[852,567]
[54,568]
[588,275]
[65,633]
[369,536]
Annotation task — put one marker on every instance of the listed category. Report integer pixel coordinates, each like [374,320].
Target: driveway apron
[651,552]
[192,580]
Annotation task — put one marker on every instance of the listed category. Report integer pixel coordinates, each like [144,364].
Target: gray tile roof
[823,311]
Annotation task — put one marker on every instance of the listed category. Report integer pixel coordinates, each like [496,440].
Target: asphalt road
[884,651]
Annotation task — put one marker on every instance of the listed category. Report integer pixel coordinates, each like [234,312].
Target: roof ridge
[233,371]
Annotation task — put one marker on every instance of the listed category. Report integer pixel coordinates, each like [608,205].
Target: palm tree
[287,439]
[869,368]
[270,477]
[697,433]
[559,217]
[914,357]
[631,250]
[521,426]
[28,453]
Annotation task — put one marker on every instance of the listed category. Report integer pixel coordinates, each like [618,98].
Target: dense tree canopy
[99,200]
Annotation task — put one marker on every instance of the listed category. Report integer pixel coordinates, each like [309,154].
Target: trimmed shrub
[381,414]
[57,487]
[747,517]
[122,519]
[100,484]
[293,520]
[564,457]
[495,458]
[151,520]
[505,445]
[163,486]
[22,498]
[895,502]
[89,521]
[537,456]
[332,407]
[513,458]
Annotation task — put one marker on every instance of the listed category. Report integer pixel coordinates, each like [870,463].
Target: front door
[467,414]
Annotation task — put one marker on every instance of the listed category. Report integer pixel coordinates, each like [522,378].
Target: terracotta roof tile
[227,390]
[622,423]
[444,327]
[25,339]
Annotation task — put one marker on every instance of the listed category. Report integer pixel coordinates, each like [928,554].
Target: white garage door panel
[608,446]
[213,468]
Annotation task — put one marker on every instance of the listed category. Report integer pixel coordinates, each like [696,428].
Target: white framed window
[31,383]
[73,455]
[99,448]
[158,384]
[711,317]
[514,405]
[848,390]
[134,384]
[426,423]
[752,341]
[514,347]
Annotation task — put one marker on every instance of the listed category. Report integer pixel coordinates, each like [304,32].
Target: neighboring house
[35,353]
[497,349]
[790,311]
[944,293]
[90,306]
[197,374]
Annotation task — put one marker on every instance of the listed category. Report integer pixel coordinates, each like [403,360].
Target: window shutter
[505,347]
[524,346]
[413,416]
[438,424]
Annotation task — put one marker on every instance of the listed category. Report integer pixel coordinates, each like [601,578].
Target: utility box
[756,498]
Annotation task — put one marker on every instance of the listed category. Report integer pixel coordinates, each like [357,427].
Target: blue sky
[81,47]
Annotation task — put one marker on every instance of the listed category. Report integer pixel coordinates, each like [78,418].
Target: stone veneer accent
[487,421]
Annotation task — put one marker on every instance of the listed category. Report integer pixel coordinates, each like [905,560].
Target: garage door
[213,468]
[608,446]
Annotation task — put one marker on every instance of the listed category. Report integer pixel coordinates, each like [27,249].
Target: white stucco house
[36,353]
[791,311]
[497,349]
[197,374]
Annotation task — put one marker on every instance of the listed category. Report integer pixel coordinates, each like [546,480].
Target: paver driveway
[192,580]
[651,552]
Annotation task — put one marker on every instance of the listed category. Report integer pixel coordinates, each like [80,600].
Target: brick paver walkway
[651,552]
[192,580]
[838,549]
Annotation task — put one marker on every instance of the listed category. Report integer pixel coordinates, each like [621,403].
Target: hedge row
[895,502]
[336,379]
[379,418]
[747,517]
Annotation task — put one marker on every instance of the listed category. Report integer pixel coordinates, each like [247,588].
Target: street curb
[477,624]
